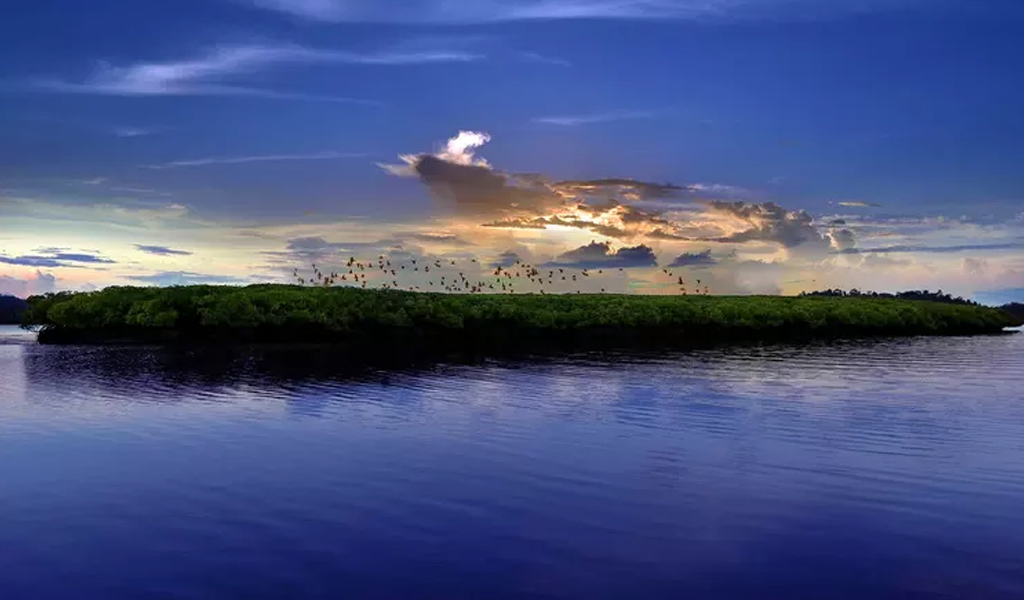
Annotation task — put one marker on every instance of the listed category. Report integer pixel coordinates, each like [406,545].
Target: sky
[761,146]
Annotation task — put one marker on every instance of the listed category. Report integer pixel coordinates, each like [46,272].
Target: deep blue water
[875,470]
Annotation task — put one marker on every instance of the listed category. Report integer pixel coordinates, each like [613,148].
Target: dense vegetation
[11,310]
[922,295]
[388,319]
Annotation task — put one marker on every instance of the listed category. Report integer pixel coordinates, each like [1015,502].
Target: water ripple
[883,469]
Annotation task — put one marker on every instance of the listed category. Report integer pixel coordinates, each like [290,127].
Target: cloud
[596,255]
[38,283]
[456,175]
[769,222]
[698,259]
[241,160]
[842,239]
[613,207]
[949,249]
[857,204]
[161,250]
[542,59]
[206,75]
[506,259]
[617,189]
[468,185]
[588,119]
[975,266]
[170,278]
[449,239]
[134,131]
[55,259]
[496,11]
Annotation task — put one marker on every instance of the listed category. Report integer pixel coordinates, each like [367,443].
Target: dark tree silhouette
[1016,309]
[11,310]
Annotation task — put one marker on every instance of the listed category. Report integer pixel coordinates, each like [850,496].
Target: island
[12,310]
[373,321]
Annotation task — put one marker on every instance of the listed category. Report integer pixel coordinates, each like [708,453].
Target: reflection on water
[846,470]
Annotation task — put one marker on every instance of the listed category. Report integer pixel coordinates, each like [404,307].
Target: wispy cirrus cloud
[214,72]
[241,160]
[496,11]
[592,118]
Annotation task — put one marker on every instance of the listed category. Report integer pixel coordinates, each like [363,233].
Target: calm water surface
[889,469]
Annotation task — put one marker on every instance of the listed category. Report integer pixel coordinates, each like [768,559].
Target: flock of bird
[447,275]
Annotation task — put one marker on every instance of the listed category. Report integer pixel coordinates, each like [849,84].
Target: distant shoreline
[383,322]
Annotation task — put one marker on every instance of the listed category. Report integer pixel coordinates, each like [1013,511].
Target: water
[854,470]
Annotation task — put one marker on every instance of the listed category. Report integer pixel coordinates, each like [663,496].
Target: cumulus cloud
[161,250]
[37,283]
[597,255]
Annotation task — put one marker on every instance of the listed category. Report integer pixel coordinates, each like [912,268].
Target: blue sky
[869,143]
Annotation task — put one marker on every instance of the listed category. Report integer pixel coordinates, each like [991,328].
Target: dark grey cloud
[161,250]
[55,259]
[597,255]
[83,258]
[477,190]
[506,259]
[169,278]
[30,261]
[696,259]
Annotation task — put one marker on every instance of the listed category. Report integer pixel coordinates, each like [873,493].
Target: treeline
[388,319]
[11,310]
[1016,309]
[921,295]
